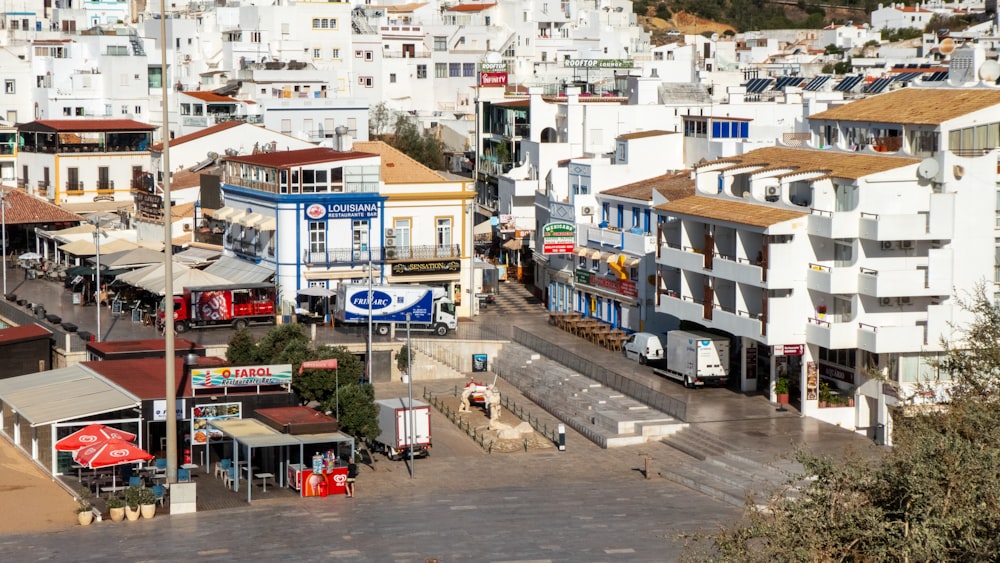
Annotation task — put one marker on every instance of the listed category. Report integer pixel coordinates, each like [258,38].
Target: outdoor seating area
[594,330]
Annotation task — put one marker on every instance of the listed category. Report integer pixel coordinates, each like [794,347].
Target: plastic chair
[135,481]
[230,477]
[160,493]
[161,465]
[183,475]
[222,467]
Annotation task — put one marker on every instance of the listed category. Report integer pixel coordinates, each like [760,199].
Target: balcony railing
[74,186]
[352,256]
[249,248]
[106,186]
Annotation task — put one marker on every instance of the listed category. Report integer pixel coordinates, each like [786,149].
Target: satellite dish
[928,169]
[493,57]
[213,155]
[715,37]
[990,71]
[946,46]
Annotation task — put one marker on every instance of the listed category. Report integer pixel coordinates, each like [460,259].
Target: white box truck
[397,427]
[696,358]
[430,308]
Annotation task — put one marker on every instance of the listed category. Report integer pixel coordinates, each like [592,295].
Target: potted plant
[824,395]
[116,508]
[147,502]
[821,311]
[84,512]
[132,503]
[781,390]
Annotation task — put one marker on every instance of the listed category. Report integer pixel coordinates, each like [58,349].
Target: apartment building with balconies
[831,265]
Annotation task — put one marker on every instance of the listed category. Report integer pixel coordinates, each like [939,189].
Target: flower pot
[85,517]
[823,404]
[147,510]
[132,513]
[850,401]
[782,398]
[117,514]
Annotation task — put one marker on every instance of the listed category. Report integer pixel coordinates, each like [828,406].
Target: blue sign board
[342,210]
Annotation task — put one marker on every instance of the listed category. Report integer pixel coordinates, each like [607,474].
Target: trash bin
[880,434]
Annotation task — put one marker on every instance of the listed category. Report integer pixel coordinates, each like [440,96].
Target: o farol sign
[241,376]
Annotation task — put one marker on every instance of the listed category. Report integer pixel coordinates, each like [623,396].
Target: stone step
[708,485]
[691,445]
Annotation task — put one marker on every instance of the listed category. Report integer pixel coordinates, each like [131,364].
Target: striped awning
[251,219]
[268,224]
[223,214]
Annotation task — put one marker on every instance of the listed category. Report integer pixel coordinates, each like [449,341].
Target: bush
[116,502]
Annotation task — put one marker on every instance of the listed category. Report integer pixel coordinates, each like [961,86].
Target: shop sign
[479,362]
[342,210]
[625,288]
[492,79]
[148,205]
[812,382]
[160,409]
[420,268]
[751,362]
[558,238]
[241,376]
[599,63]
[789,350]
[826,370]
[492,67]
[202,416]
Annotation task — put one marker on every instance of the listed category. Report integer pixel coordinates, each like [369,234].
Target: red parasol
[90,435]
[110,452]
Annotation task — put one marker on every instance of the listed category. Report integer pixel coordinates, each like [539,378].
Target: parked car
[643,346]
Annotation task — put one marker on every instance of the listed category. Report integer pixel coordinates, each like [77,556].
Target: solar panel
[899,65]
[816,83]
[848,84]
[757,85]
[925,65]
[787,82]
[878,86]
[911,65]
[907,76]
[937,76]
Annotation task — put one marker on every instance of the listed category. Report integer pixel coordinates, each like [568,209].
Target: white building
[900,16]
[826,264]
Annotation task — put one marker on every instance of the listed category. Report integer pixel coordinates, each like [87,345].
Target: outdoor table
[112,490]
[264,477]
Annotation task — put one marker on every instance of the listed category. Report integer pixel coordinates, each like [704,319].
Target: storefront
[614,301]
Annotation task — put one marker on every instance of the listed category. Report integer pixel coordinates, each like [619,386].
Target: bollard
[646,459]
[562,437]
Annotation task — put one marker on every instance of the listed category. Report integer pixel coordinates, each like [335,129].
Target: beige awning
[237,217]
[251,219]
[595,254]
[583,252]
[612,258]
[483,228]
[513,244]
[222,214]
[268,224]
[632,262]
[87,248]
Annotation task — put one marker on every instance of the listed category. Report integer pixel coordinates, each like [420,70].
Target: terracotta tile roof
[514,104]
[402,8]
[670,186]
[86,125]
[302,157]
[25,210]
[203,133]
[469,7]
[924,106]
[397,167]
[730,211]
[23,333]
[643,134]
[837,164]
[211,97]
[144,378]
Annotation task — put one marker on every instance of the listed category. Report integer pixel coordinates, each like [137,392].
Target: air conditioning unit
[390,253]
[390,232]
[773,191]
[903,300]
[887,245]
[390,241]
[587,210]
[885,301]
[906,244]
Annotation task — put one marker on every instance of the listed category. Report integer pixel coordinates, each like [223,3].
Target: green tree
[935,496]
[279,338]
[242,350]
[379,117]
[358,411]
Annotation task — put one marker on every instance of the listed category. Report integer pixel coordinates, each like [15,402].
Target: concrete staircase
[718,471]
[606,417]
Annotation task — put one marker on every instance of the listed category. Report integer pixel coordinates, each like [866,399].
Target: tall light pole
[3,218]
[97,273]
[168,258]
[409,391]
[368,353]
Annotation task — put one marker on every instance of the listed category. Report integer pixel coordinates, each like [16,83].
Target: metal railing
[350,255]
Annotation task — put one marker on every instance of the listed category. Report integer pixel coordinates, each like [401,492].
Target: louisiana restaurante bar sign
[423,268]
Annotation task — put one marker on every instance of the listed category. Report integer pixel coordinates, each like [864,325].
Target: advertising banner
[202,416]
[558,238]
[342,210]
[241,376]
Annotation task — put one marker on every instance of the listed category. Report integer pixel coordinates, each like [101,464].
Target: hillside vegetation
[715,16]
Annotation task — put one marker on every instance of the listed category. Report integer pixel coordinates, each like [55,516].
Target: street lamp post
[3,218]
[97,274]
[409,390]
[368,353]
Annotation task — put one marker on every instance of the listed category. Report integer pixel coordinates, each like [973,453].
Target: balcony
[737,322]
[739,270]
[938,223]
[396,253]
[899,283]
[829,224]
[42,189]
[684,308]
[832,335]
[832,281]
[74,187]
[883,339]
[633,243]
[682,258]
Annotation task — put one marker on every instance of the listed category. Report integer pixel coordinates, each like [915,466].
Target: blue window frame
[645,221]
[605,212]
[621,216]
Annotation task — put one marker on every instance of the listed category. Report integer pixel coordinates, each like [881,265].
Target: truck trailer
[237,305]
[394,421]
[430,308]
[696,358]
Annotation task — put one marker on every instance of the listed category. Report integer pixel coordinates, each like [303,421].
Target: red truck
[237,305]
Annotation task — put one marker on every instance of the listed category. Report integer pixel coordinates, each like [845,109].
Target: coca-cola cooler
[322,479]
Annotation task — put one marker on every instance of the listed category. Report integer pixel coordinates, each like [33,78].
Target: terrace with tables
[591,329]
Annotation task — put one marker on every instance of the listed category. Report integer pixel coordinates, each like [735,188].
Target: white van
[643,346]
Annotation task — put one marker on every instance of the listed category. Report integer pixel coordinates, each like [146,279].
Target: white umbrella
[29,256]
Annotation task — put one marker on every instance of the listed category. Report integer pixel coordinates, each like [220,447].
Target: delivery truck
[430,308]
[235,305]
[696,358]
[400,431]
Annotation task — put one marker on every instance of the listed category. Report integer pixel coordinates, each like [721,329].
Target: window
[317,53]
[358,54]
[401,228]
[454,69]
[8,86]
[360,237]
[440,70]
[369,56]
[317,236]
[392,78]
[421,71]
[73,180]
[468,69]
[255,37]
[440,43]
[335,54]
[124,109]
[68,111]
[443,234]
[138,110]
[365,81]
[79,111]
